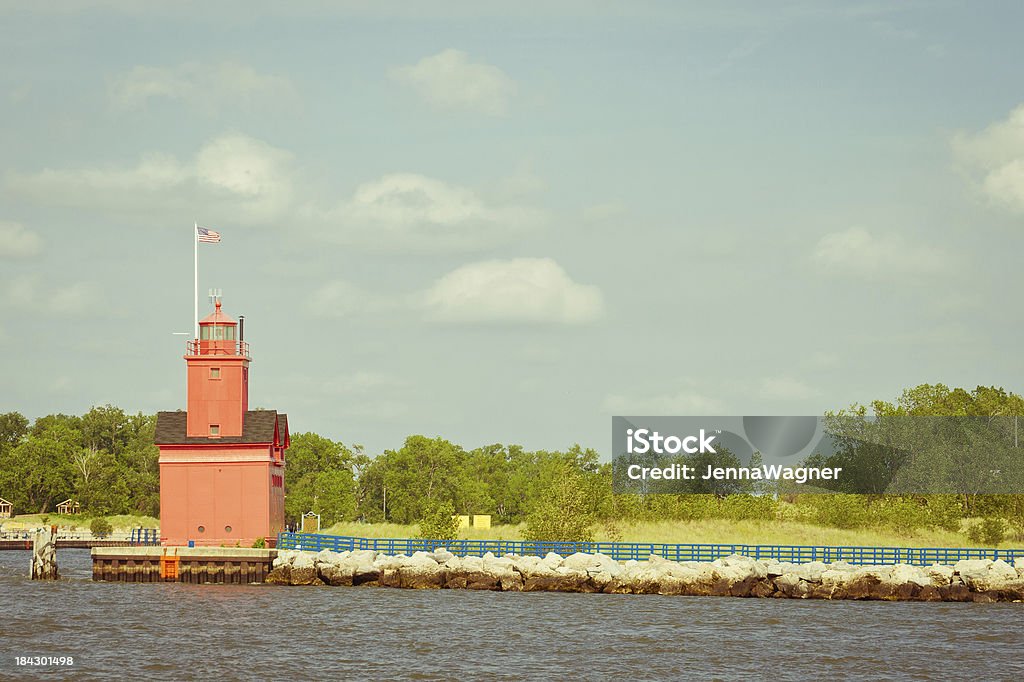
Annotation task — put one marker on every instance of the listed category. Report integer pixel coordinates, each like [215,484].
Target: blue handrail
[621,551]
[145,536]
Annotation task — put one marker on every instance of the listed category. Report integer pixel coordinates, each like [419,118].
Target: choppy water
[149,631]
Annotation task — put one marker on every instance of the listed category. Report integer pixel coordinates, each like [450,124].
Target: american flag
[208,236]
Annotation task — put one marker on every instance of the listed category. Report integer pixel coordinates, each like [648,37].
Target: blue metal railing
[145,536]
[621,551]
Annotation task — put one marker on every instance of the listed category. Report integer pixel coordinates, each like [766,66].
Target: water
[148,631]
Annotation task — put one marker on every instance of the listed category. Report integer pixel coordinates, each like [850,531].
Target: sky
[508,222]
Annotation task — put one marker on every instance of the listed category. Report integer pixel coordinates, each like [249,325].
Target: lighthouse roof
[259,426]
[218,317]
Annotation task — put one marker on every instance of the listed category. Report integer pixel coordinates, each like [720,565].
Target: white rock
[903,574]
[582,561]
[774,568]
[326,556]
[811,572]
[304,560]
[422,559]
[939,574]
[552,560]
[443,556]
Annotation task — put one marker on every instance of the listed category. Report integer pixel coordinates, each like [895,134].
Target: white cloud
[995,158]
[682,402]
[786,388]
[410,211]
[889,255]
[18,242]
[517,291]
[450,81]
[30,293]
[232,174]
[205,86]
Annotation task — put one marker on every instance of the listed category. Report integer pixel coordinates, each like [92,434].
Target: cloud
[449,81]
[30,293]
[18,242]
[860,253]
[410,211]
[204,86]
[995,159]
[683,402]
[786,388]
[233,174]
[517,291]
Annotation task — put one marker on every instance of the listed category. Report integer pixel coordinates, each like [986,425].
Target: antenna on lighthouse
[215,295]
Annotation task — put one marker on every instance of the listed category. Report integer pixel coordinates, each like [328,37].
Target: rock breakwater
[976,580]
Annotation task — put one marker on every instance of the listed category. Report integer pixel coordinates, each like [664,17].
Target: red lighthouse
[221,464]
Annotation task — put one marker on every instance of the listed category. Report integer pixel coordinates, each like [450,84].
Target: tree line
[106,460]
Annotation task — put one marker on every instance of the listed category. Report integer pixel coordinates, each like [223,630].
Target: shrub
[100,527]
[841,511]
[904,515]
[695,507]
[440,523]
[259,544]
[745,507]
[563,513]
[988,531]
[613,530]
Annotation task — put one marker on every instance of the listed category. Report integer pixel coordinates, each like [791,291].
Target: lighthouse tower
[221,464]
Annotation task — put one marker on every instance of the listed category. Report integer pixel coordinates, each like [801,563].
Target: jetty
[796,572]
[969,580]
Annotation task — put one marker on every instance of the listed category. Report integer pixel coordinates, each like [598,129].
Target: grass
[121,523]
[721,531]
[710,531]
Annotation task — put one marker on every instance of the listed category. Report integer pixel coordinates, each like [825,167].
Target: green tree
[39,472]
[100,527]
[320,477]
[440,523]
[563,513]
[13,430]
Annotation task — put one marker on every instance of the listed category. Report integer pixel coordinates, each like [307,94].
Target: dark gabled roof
[257,427]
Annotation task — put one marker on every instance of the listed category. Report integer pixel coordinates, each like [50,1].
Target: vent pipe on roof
[241,327]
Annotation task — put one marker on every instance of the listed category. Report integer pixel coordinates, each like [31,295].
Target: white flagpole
[195,251]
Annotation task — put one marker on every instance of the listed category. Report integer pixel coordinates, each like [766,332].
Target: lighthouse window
[214,429]
[215,372]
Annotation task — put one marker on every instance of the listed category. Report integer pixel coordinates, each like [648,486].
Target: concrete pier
[197,565]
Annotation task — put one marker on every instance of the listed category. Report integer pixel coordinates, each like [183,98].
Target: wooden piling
[44,555]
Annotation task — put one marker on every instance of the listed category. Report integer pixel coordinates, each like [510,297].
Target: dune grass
[121,522]
[721,531]
[710,531]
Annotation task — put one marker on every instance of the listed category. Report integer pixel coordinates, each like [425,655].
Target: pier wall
[197,565]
